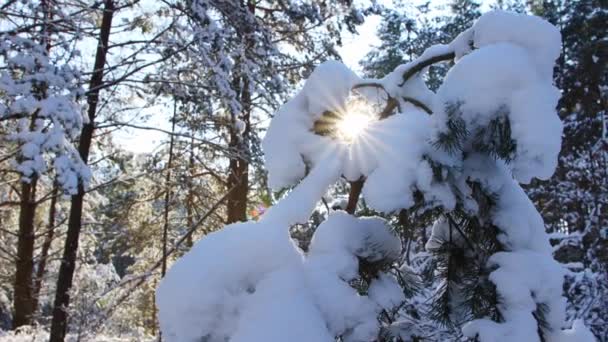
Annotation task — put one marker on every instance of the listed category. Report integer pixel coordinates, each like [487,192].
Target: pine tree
[461,166]
[39,95]
[574,200]
[406,31]
[238,51]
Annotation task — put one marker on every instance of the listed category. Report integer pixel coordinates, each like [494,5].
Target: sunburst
[348,124]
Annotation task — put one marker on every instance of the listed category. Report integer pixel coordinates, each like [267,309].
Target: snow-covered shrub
[493,124]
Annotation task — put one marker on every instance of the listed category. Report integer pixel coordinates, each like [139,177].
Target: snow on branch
[38,98]
[493,126]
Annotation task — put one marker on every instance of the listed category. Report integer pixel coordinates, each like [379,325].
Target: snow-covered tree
[240,55]
[40,94]
[492,125]
[406,31]
[574,201]
[41,119]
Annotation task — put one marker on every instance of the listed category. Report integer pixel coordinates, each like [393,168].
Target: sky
[354,48]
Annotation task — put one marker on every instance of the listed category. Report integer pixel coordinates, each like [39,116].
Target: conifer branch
[416,68]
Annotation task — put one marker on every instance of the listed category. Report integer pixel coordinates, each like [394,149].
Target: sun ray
[353,122]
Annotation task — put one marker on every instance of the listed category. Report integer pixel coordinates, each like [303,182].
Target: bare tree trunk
[238,177]
[46,246]
[168,192]
[190,198]
[68,262]
[238,174]
[239,180]
[23,301]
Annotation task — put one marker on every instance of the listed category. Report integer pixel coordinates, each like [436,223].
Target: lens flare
[354,121]
[351,123]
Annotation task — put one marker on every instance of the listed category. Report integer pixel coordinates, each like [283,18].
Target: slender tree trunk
[190,198]
[23,297]
[68,262]
[46,246]
[238,177]
[155,327]
[168,193]
[23,300]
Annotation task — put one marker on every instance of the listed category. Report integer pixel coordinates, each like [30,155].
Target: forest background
[155,139]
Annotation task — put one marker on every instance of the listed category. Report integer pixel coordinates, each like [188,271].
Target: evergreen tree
[406,31]
[38,105]
[574,201]
[462,165]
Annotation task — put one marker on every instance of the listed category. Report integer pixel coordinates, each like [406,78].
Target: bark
[190,198]
[23,300]
[66,270]
[353,196]
[46,246]
[238,176]
[168,193]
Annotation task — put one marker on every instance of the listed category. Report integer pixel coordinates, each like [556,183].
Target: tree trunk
[353,196]
[68,262]
[238,177]
[46,246]
[190,199]
[23,300]
[23,297]
[168,192]
[239,162]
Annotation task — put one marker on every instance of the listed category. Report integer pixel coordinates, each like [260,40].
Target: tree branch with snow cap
[498,279]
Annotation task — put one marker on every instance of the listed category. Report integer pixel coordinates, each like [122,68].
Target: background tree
[198,56]
[39,93]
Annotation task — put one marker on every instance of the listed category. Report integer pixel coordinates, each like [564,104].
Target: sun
[350,123]
[354,121]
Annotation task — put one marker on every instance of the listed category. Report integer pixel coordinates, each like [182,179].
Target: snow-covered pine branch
[38,98]
[493,125]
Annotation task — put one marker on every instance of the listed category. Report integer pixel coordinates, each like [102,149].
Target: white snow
[537,36]
[515,90]
[250,282]
[289,140]
[386,292]
[240,126]
[265,289]
[400,142]
[387,149]
[45,124]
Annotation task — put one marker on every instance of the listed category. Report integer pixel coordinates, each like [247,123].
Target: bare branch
[423,63]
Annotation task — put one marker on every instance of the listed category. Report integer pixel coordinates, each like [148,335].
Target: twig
[455,225]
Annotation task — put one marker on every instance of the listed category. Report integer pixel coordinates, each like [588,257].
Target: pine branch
[452,141]
[418,104]
[540,315]
[423,63]
[495,139]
